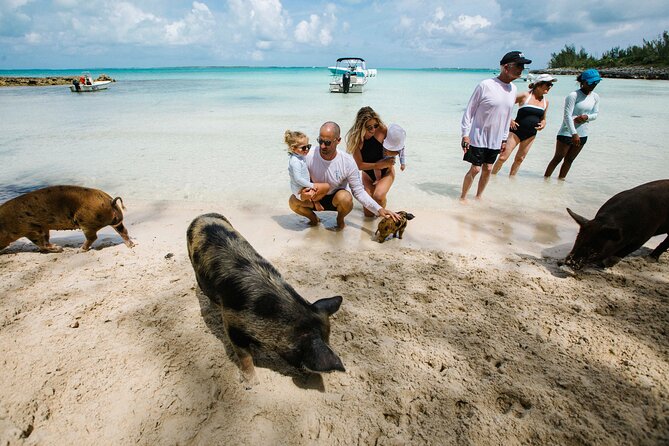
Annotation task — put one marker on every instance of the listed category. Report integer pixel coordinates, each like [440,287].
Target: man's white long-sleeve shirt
[488,115]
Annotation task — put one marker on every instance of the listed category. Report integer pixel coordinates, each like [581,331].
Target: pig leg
[240,342]
[123,232]
[91,236]
[246,365]
[402,228]
[41,239]
[662,247]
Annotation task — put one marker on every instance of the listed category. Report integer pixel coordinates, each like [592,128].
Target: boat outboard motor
[346,81]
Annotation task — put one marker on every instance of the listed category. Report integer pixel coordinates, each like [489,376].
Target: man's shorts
[567,140]
[326,201]
[480,155]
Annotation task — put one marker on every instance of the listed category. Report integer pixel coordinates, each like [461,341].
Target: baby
[393,145]
[300,183]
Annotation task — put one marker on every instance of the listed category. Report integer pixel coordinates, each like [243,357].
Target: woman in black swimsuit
[530,119]
[364,141]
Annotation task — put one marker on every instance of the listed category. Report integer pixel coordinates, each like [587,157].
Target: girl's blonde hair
[291,138]
[357,132]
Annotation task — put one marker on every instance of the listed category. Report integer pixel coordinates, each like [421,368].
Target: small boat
[85,83]
[350,75]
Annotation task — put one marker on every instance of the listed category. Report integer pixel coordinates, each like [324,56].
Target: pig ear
[580,220]
[329,305]
[319,357]
[611,233]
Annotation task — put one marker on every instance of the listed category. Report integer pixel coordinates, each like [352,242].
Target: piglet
[388,226]
[259,309]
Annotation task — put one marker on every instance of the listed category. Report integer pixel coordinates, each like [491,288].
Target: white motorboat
[350,75]
[85,83]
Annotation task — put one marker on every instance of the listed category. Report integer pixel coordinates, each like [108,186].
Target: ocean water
[216,135]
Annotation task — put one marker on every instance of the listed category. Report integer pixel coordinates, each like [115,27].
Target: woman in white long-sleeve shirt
[580,108]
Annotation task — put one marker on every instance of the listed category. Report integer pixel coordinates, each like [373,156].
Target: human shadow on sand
[212,317]
[328,221]
[444,189]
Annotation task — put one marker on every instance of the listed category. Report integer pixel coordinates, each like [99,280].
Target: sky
[86,34]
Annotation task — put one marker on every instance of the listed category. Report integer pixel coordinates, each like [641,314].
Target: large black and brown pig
[32,215]
[622,225]
[259,309]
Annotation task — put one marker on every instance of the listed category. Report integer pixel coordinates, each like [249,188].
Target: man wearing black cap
[485,124]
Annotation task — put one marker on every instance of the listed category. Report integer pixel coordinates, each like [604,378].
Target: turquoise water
[215,134]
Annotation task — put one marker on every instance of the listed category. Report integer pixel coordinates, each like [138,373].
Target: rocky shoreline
[615,72]
[8,81]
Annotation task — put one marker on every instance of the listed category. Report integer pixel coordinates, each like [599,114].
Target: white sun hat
[543,78]
[395,138]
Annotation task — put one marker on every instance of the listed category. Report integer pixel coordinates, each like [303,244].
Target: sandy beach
[448,337]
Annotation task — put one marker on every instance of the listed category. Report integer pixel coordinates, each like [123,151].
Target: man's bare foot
[341,224]
[463,200]
[314,221]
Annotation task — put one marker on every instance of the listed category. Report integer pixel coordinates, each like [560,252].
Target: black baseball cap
[514,57]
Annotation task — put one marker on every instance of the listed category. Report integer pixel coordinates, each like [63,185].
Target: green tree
[651,52]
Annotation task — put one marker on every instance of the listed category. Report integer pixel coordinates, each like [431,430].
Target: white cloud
[620,29]
[316,31]
[439,14]
[304,30]
[266,19]
[470,23]
[12,4]
[197,26]
[33,38]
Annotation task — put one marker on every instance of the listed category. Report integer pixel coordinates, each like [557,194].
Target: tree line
[652,52]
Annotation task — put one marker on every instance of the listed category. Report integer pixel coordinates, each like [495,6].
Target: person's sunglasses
[304,148]
[324,142]
[548,84]
[372,127]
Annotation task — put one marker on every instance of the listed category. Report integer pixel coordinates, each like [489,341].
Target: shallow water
[214,134]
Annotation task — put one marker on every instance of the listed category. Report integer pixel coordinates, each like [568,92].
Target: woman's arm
[542,123]
[381,164]
[567,117]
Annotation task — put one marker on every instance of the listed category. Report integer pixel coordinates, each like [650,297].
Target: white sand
[464,332]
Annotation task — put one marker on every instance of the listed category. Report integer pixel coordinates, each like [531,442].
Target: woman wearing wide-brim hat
[530,119]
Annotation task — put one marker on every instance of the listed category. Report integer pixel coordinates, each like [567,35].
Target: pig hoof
[249,380]
[51,248]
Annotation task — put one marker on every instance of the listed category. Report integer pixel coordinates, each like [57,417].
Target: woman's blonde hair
[291,138]
[357,131]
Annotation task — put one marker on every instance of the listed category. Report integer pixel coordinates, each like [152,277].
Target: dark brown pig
[388,226]
[259,309]
[34,214]
[622,225]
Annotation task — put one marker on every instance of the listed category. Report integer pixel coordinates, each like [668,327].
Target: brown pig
[259,309]
[32,215]
[388,226]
